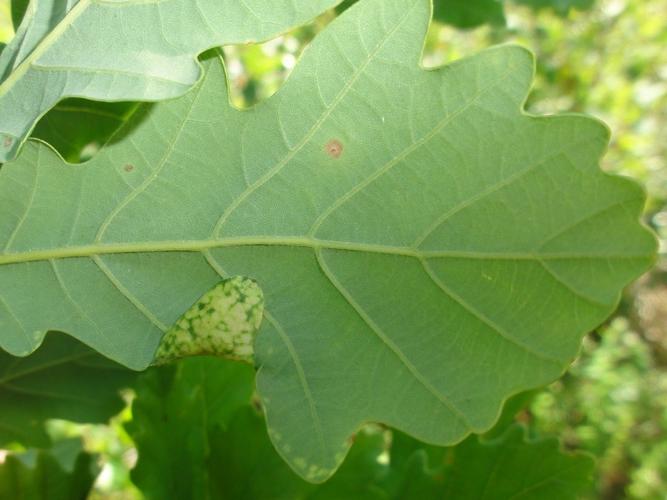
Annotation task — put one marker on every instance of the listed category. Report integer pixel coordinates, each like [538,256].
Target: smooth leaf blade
[425,249]
[123,51]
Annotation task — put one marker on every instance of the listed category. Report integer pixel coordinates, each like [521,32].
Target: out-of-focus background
[610,61]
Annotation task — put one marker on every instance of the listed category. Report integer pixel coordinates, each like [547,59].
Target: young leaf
[64,472]
[425,248]
[64,379]
[123,50]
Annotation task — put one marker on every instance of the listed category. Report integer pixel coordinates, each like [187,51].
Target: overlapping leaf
[63,379]
[424,247]
[177,410]
[510,466]
[123,50]
[197,435]
[77,128]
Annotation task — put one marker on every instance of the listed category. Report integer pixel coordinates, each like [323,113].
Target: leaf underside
[123,50]
[425,248]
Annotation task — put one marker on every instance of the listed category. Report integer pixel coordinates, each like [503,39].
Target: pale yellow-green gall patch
[222,323]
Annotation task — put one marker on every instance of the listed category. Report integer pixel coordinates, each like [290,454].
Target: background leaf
[425,249]
[194,437]
[61,49]
[176,409]
[460,13]
[64,472]
[562,7]
[62,380]
[510,466]
[18,8]
[78,128]
[469,13]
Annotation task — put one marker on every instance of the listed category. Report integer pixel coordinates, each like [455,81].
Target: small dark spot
[256,404]
[128,168]
[7,142]
[334,148]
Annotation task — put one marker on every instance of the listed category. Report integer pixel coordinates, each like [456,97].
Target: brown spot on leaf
[7,142]
[334,148]
[128,168]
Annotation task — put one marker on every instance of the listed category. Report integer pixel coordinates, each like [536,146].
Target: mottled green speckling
[222,323]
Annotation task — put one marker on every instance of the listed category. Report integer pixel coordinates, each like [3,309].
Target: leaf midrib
[102,249]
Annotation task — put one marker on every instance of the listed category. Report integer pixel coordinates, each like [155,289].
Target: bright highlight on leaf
[123,50]
[222,323]
[425,248]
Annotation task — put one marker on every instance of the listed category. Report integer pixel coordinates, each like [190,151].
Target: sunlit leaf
[425,248]
[122,50]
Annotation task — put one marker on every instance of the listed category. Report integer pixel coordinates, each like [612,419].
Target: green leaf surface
[123,50]
[187,446]
[198,437]
[64,379]
[63,472]
[176,409]
[425,248]
[510,466]
[460,13]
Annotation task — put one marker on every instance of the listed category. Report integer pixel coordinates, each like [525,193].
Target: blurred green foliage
[612,403]
[605,58]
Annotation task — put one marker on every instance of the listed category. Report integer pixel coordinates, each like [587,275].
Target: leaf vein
[273,171]
[442,398]
[486,320]
[127,294]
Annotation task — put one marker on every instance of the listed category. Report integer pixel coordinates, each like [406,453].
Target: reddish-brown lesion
[128,168]
[334,148]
